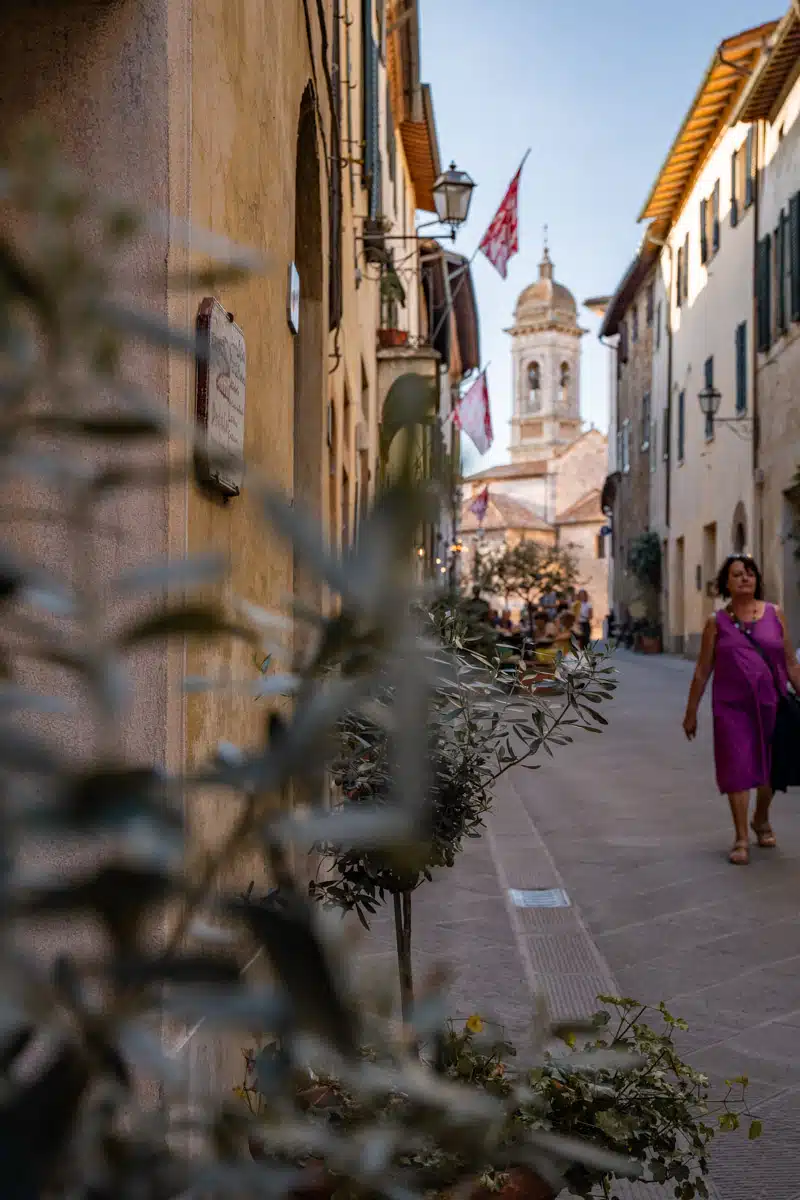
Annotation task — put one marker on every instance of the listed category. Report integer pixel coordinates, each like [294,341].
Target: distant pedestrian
[746,647]
[585,618]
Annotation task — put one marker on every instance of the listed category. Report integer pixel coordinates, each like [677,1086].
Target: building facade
[306,134]
[772,104]
[633,323]
[702,211]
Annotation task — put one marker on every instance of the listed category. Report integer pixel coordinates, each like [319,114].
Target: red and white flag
[501,240]
[480,504]
[473,415]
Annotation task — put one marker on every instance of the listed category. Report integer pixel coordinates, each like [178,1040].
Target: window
[371,171]
[665,431]
[703,230]
[564,380]
[715,218]
[741,368]
[623,341]
[781,272]
[750,167]
[685,279]
[534,387]
[709,225]
[679,277]
[651,302]
[658,326]
[736,159]
[600,551]
[708,373]
[635,323]
[794,256]
[645,421]
[681,426]
[764,293]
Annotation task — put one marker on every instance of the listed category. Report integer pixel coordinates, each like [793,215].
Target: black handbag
[786,736]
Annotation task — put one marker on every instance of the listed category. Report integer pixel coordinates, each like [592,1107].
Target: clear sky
[598,92]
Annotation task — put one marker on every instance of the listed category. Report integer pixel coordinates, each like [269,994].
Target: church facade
[550,490]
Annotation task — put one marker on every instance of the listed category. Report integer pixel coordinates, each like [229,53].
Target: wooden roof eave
[707,114]
[773,73]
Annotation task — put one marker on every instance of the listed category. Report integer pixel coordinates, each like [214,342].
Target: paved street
[630,825]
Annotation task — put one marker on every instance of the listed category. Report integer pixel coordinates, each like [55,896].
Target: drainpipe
[758,517]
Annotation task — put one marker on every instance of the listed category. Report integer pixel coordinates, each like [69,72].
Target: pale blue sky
[597,91]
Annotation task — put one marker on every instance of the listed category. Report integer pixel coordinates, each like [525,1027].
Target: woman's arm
[792,665]
[702,674]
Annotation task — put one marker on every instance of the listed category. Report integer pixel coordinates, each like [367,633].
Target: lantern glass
[710,399]
[452,195]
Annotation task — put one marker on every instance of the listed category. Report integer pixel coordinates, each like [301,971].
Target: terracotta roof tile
[584,511]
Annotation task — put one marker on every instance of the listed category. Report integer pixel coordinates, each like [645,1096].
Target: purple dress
[744,700]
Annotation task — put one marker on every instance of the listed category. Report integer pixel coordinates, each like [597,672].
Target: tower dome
[546,302]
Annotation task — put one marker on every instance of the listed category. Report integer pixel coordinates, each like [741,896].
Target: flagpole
[464,269]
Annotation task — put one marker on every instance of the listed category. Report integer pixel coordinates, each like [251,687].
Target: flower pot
[649,644]
[389,338]
[522,1184]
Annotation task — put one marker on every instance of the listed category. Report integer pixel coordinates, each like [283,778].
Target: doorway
[679,625]
[790,598]
[309,342]
[709,568]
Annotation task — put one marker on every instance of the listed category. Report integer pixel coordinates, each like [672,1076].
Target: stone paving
[631,826]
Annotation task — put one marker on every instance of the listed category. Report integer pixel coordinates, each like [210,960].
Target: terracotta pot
[523,1184]
[649,645]
[316,1184]
[388,338]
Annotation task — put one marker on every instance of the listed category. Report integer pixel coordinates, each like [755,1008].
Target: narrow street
[630,826]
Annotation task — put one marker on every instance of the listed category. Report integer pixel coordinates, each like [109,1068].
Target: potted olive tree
[393,298]
[644,562]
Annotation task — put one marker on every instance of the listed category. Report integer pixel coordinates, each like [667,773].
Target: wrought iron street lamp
[710,399]
[452,196]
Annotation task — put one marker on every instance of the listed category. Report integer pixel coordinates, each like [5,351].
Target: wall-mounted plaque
[221,378]
[293,299]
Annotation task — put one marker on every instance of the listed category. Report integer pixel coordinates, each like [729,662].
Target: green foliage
[96,837]
[644,559]
[627,1092]
[661,1113]
[529,571]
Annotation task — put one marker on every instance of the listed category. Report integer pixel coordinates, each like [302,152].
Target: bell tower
[546,363]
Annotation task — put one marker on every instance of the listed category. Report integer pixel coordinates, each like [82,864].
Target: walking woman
[745,695]
[585,618]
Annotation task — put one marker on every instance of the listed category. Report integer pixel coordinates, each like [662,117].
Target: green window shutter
[686,267]
[741,367]
[708,375]
[794,255]
[749,167]
[715,218]
[372,152]
[681,425]
[734,196]
[763,293]
[780,275]
[703,234]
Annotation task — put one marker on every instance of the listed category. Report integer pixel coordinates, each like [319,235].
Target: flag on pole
[501,240]
[472,414]
[480,504]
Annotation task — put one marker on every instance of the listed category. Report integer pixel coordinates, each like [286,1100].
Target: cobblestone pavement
[631,826]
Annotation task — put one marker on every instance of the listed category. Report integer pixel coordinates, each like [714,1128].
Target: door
[710,568]
[679,593]
[791,565]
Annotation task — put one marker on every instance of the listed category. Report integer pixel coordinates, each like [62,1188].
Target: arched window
[534,386]
[739,529]
[563,381]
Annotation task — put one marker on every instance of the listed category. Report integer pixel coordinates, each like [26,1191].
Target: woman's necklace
[749,615]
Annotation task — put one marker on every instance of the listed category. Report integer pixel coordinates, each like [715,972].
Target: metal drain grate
[539,898]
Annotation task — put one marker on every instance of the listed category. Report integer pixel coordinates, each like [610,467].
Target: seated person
[564,634]
[545,632]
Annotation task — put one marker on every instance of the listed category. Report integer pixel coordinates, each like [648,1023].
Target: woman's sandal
[766,838]
[740,854]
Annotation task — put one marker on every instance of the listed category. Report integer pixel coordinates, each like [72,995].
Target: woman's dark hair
[749,564]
